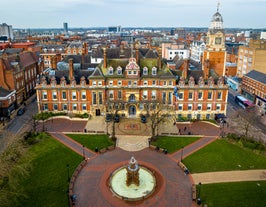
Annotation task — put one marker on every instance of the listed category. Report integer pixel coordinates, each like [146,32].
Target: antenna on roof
[218,5]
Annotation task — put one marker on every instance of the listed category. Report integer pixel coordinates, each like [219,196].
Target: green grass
[48,180]
[244,194]
[92,141]
[223,156]
[173,144]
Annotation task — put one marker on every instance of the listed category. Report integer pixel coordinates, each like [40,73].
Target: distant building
[6,31]
[18,72]
[196,50]
[254,88]
[170,50]
[114,29]
[65,25]
[252,57]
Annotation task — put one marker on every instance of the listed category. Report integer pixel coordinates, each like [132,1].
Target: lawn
[48,181]
[244,194]
[223,156]
[92,141]
[173,144]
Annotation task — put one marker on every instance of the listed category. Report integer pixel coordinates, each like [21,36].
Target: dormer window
[145,71]
[110,71]
[154,71]
[119,71]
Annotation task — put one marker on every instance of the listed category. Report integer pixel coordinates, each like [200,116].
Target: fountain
[132,182]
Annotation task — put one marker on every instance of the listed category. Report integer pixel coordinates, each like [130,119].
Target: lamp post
[199,199]
[181,154]
[68,177]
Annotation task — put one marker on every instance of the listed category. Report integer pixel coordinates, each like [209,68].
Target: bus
[243,102]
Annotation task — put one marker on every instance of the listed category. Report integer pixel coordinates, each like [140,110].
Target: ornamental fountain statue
[132,182]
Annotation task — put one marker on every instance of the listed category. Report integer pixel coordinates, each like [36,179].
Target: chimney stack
[104,58]
[54,62]
[160,58]
[71,69]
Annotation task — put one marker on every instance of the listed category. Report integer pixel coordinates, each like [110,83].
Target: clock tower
[214,56]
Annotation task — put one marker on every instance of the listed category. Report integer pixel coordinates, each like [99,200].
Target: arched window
[145,71]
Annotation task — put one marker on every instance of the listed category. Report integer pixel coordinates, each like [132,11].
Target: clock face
[218,40]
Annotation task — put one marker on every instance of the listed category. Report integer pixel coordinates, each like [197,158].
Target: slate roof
[258,76]
[4,92]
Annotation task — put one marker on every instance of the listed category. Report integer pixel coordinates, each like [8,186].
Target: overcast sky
[131,13]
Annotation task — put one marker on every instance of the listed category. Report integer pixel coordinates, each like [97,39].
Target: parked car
[108,117]
[21,111]
[116,118]
[143,119]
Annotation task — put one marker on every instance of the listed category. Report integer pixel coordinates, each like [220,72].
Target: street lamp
[68,177]
[199,199]
[181,154]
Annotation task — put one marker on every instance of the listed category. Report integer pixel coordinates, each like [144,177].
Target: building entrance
[132,110]
[98,112]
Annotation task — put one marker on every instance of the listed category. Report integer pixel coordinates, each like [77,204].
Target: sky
[131,13]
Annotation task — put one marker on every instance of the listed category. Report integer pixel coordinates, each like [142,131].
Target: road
[18,125]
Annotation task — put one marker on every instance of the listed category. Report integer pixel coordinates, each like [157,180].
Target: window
[64,107]
[74,107]
[99,83]
[84,107]
[181,96]
[141,107]
[170,97]
[208,116]
[100,94]
[164,97]
[154,83]
[54,95]
[119,83]
[94,98]
[189,107]
[110,83]
[110,71]
[153,95]
[145,94]
[145,83]
[44,95]
[209,107]
[119,94]
[154,71]
[189,116]
[55,107]
[129,72]
[135,84]
[164,83]
[170,83]
[219,95]
[180,107]
[94,83]
[111,94]
[198,116]
[74,95]
[64,95]
[190,95]
[129,83]
[199,107]
[135,72]
[145,71]
[83,95]
[209,95]
[119,71]
[45,107]
[218,107]
[200,95]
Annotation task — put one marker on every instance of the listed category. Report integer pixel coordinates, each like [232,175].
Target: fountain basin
[147,184]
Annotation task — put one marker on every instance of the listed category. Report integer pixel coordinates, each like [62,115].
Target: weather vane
[218,5]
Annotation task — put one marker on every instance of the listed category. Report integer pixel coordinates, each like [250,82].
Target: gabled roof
[97,73]
[258,76]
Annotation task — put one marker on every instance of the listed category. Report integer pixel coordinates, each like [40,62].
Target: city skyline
[149,13]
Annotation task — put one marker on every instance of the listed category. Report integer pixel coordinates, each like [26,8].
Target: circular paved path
[92,190]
